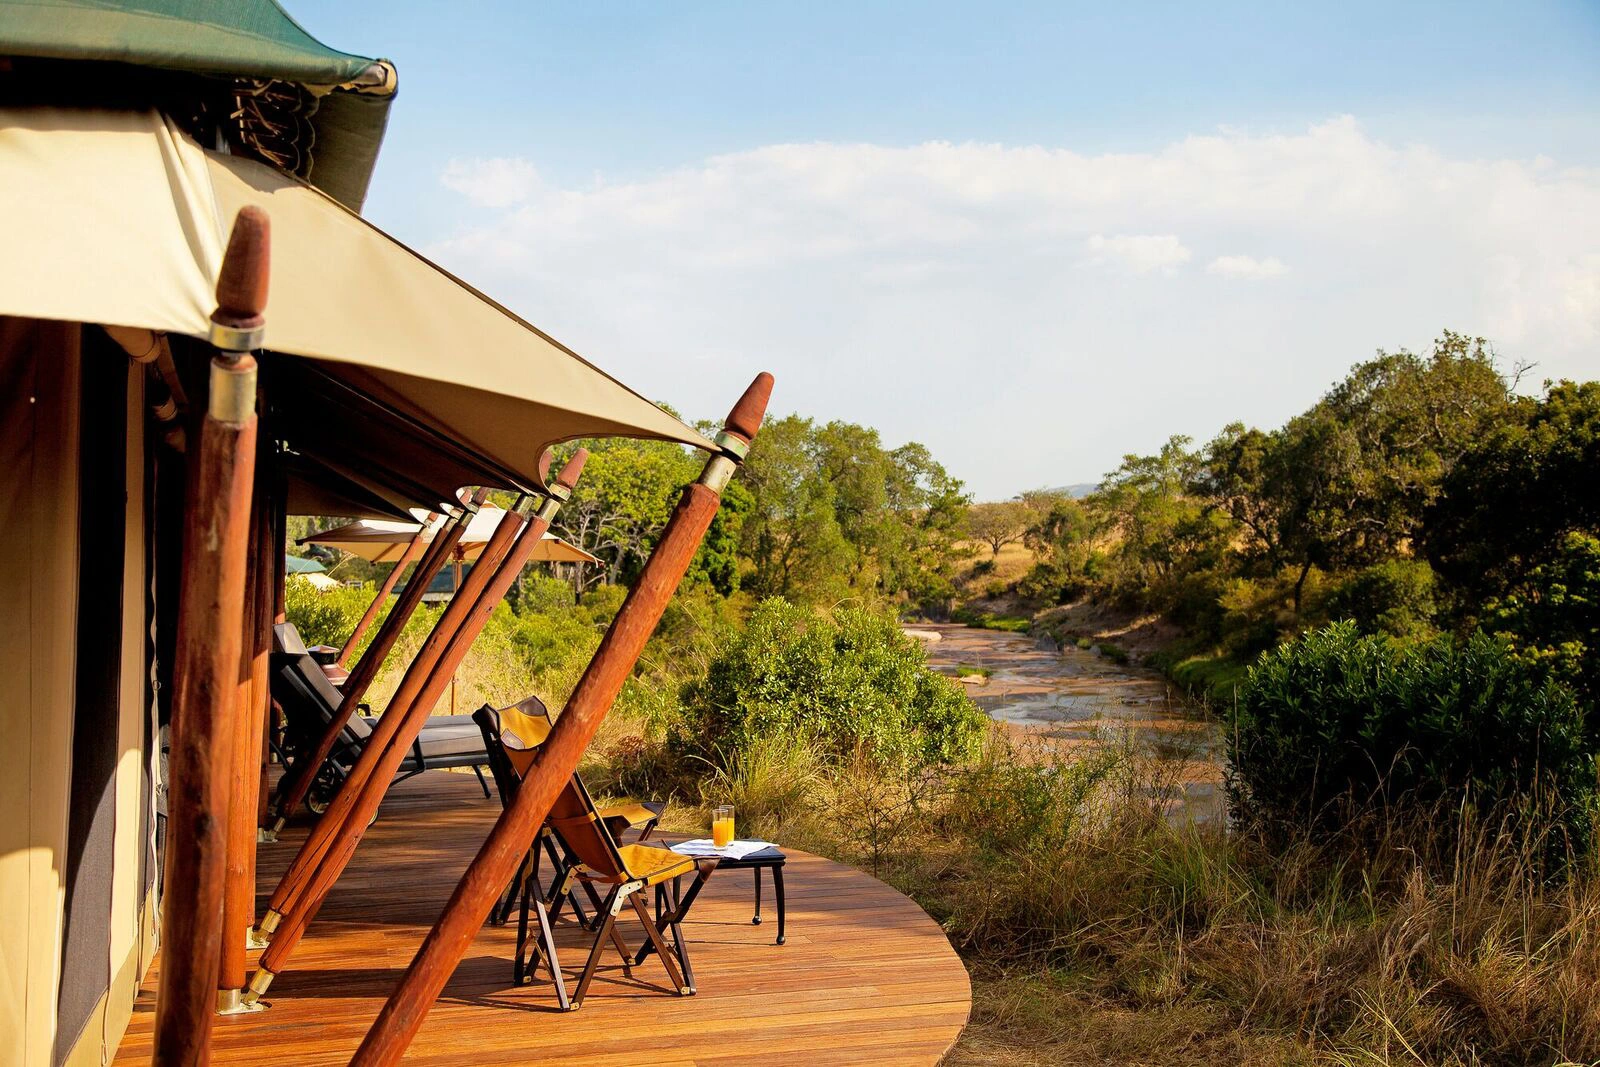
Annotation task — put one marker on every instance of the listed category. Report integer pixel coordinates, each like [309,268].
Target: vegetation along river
[1079,697]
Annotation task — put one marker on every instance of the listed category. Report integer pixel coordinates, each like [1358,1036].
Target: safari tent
[199,335]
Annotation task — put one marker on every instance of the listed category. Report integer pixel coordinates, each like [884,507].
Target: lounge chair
[582,843]
[310,701]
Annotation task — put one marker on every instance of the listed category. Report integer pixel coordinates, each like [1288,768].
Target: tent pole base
[232,1002]
[258,988]
[253,938]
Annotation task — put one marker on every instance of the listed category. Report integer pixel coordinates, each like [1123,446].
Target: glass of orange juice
[722,826]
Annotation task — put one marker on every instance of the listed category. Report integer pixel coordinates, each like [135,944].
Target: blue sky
[985,226]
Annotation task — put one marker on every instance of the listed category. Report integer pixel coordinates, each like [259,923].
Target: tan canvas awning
[117,217]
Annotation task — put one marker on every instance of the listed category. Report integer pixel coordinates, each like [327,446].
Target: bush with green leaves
[1552,616]
[1395,597]
[849,681]
[325,617]
[1337,722]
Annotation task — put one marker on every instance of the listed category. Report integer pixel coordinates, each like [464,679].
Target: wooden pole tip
[574,467]
[745,418]
[242,284]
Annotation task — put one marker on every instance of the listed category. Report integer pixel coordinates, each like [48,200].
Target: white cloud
[1140,254]
[493,183]
[1247,267]
[1029,312]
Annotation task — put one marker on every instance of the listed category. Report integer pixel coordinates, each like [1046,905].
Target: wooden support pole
[294,787]
[206,661]
[491,870]
[249,718]
[406,695]
[409,556]
[289,887]
[486,586]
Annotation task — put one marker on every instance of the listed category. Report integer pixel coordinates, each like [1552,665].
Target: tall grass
[1101,928]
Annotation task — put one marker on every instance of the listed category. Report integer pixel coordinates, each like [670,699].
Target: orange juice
[722,827]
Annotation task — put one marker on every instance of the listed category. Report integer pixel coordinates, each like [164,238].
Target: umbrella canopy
[403,373]
[382,542]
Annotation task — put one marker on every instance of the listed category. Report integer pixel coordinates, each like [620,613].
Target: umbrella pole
[206,663]
[491,870]
[294,787]
[412,551]
[456,589]
[485,587]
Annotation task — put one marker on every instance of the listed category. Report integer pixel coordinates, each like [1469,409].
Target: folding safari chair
[591,857]
[310,701]
[527,724]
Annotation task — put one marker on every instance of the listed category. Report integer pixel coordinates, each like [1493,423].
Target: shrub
[988,620]
[326,618]
[1335,719]
[1553,617]
[1395,597]
[851,682]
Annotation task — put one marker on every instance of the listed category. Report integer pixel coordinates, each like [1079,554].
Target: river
[1078,696]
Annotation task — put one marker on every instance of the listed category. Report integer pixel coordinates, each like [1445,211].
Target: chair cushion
[441,740]
[653,864]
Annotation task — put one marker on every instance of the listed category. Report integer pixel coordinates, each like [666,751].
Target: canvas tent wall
[77,868]
[131,133]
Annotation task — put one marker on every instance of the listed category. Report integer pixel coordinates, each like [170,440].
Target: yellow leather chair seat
[654,865]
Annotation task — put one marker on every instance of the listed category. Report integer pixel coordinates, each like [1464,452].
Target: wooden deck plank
[865,975]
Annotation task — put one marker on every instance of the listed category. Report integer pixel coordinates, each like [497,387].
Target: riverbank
[1045,693]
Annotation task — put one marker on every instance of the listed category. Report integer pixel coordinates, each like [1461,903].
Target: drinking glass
[722,826]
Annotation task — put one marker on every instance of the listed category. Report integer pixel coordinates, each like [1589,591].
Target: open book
[734,850]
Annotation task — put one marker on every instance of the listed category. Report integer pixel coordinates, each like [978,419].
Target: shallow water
[1075,695]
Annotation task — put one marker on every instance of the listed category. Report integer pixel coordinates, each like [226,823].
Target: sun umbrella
[382,541]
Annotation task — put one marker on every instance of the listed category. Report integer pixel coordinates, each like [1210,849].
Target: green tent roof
[302,565]
[346,97]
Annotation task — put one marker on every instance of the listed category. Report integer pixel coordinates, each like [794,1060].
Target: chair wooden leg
[622,947]
[522,967]
[667,958]
[606,923]
[526,966]
[548,936]
[502,914]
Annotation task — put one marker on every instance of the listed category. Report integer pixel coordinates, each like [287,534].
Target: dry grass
[1099,932]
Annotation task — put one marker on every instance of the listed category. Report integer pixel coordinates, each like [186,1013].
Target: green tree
[834,514]
[1346,483]
[998,523]
[1508,507]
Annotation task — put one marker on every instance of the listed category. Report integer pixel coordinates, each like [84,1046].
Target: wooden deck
[865,976]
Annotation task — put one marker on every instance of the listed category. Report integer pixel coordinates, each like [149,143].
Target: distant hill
[1077,492]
